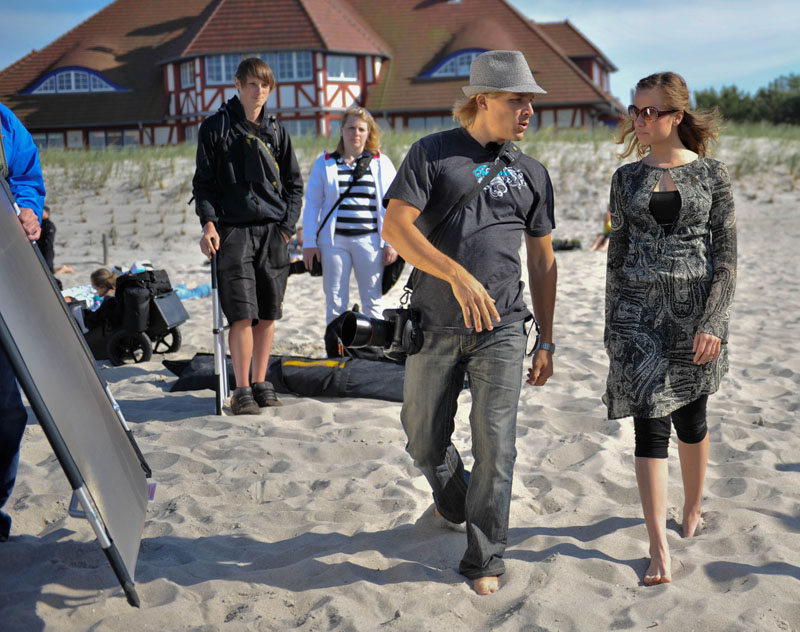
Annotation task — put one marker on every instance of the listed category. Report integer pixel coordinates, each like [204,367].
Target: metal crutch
[220,362]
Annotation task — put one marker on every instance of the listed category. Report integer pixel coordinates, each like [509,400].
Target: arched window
[454,65]
[71,80]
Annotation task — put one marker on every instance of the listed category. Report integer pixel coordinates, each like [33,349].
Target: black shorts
[252,269]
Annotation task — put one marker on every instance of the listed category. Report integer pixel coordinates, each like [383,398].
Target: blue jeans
[13,418]
[434,377]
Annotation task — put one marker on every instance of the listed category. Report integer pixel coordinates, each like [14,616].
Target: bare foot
[692,521]
[486,585]
[659,570]
[445,522]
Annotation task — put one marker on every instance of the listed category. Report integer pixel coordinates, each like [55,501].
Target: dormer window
[455,65]
[66,80]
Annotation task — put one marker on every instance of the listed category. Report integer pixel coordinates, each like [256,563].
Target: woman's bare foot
[692,519]
[486,585]
[659,570]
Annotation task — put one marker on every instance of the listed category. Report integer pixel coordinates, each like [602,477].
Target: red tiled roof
[129,40]
[254,25]
[126,42]
[427,30]
[343,29]
[570,40]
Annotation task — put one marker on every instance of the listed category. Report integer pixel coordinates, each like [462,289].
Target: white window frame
[48,86]
[292,62]
[456,66]
[335,67]
[97,84]
[66,81]
[286,66]
[187,74]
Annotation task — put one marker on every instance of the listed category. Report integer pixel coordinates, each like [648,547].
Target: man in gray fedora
[457,211]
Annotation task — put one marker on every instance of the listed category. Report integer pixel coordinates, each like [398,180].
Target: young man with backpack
[248,192]
[22,175]
[457,211]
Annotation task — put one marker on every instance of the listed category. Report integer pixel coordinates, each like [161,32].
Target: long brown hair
[698,129]
[373,143]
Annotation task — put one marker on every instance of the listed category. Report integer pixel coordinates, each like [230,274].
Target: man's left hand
[286,236]
[542,368]
[30,223]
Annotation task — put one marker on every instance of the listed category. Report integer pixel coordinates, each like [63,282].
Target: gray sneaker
[264,394]
[242,402]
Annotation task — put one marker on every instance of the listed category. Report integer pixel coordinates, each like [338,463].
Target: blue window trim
[55,72]
[430,74]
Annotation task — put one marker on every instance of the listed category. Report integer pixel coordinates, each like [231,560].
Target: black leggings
[652,434]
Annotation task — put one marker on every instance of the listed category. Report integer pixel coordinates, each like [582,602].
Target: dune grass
[146,168]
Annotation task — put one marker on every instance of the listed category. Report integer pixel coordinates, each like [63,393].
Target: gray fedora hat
[501,71]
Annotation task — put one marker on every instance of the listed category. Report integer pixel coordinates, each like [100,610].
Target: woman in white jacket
[351,236]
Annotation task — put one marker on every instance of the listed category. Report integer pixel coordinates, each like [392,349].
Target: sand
[312,517]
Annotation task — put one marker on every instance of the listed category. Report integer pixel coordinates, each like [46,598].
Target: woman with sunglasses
[669,286]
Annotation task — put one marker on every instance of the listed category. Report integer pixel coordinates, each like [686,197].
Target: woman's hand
[706,348]
[389,255]
[308,256]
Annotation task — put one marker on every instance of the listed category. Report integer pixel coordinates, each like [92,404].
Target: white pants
[364,255]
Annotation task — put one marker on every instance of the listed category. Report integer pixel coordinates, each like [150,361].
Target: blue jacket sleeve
[24,169]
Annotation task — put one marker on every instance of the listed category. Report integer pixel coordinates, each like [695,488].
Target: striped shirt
[357,214]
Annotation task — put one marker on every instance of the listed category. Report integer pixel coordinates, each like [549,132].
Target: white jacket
[322,192]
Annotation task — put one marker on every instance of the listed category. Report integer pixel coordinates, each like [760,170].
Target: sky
[712,43]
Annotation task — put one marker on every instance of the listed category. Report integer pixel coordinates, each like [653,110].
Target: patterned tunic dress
[662,290]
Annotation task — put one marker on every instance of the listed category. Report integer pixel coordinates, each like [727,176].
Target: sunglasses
[648,113]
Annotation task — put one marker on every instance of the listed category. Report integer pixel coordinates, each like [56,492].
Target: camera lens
[360,331]
[297,267]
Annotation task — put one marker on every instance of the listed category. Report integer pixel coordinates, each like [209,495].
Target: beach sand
[311,516]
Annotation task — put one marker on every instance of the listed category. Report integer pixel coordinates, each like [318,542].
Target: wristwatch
[547,346]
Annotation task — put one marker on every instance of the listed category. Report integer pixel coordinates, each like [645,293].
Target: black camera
[399,334]
[299,267]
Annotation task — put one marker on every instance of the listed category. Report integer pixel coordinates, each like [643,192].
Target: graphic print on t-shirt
[498,187]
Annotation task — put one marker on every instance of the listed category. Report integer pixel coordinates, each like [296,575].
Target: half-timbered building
[148,71]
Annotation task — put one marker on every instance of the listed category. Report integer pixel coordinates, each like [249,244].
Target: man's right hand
[477,306]
[30,223]
[209,242]
[308,257]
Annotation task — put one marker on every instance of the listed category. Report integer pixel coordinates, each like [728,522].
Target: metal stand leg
[220,363]
[108,546]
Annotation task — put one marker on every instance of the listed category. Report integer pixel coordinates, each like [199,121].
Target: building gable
[124,42]
[428,31]
[253,25]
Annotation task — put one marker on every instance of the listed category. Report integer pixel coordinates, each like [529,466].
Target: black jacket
[232,179]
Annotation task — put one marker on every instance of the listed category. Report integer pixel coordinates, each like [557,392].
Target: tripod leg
[220,368]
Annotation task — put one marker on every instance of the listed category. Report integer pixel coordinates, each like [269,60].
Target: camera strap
[509,154]
[361,168]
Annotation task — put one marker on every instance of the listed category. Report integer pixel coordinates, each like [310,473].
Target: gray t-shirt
[486,236]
